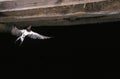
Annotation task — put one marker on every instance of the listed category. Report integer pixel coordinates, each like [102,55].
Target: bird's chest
[25,33]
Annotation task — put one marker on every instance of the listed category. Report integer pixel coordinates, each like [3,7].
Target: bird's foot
[19,39]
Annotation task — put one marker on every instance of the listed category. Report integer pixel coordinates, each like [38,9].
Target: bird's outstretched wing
[16,31]
[35,35]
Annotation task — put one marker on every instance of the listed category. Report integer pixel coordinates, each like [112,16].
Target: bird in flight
[26,32]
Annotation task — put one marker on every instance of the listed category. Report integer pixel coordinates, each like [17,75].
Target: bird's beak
[29,27]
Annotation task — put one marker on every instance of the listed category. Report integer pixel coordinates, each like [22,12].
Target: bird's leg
[22,39]
[17,39]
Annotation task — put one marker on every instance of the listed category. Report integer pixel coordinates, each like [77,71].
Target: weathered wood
[60,12]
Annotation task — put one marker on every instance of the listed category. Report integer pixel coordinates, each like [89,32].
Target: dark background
[111,75]
[55,54]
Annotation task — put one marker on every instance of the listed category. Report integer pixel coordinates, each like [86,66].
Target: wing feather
[35,35]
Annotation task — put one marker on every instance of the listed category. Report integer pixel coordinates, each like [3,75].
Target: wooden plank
[5,0]
[69,13]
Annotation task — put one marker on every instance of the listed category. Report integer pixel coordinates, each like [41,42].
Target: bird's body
[22,37]
[27,32]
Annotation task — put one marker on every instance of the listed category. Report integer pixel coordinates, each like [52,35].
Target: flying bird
[26,32]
